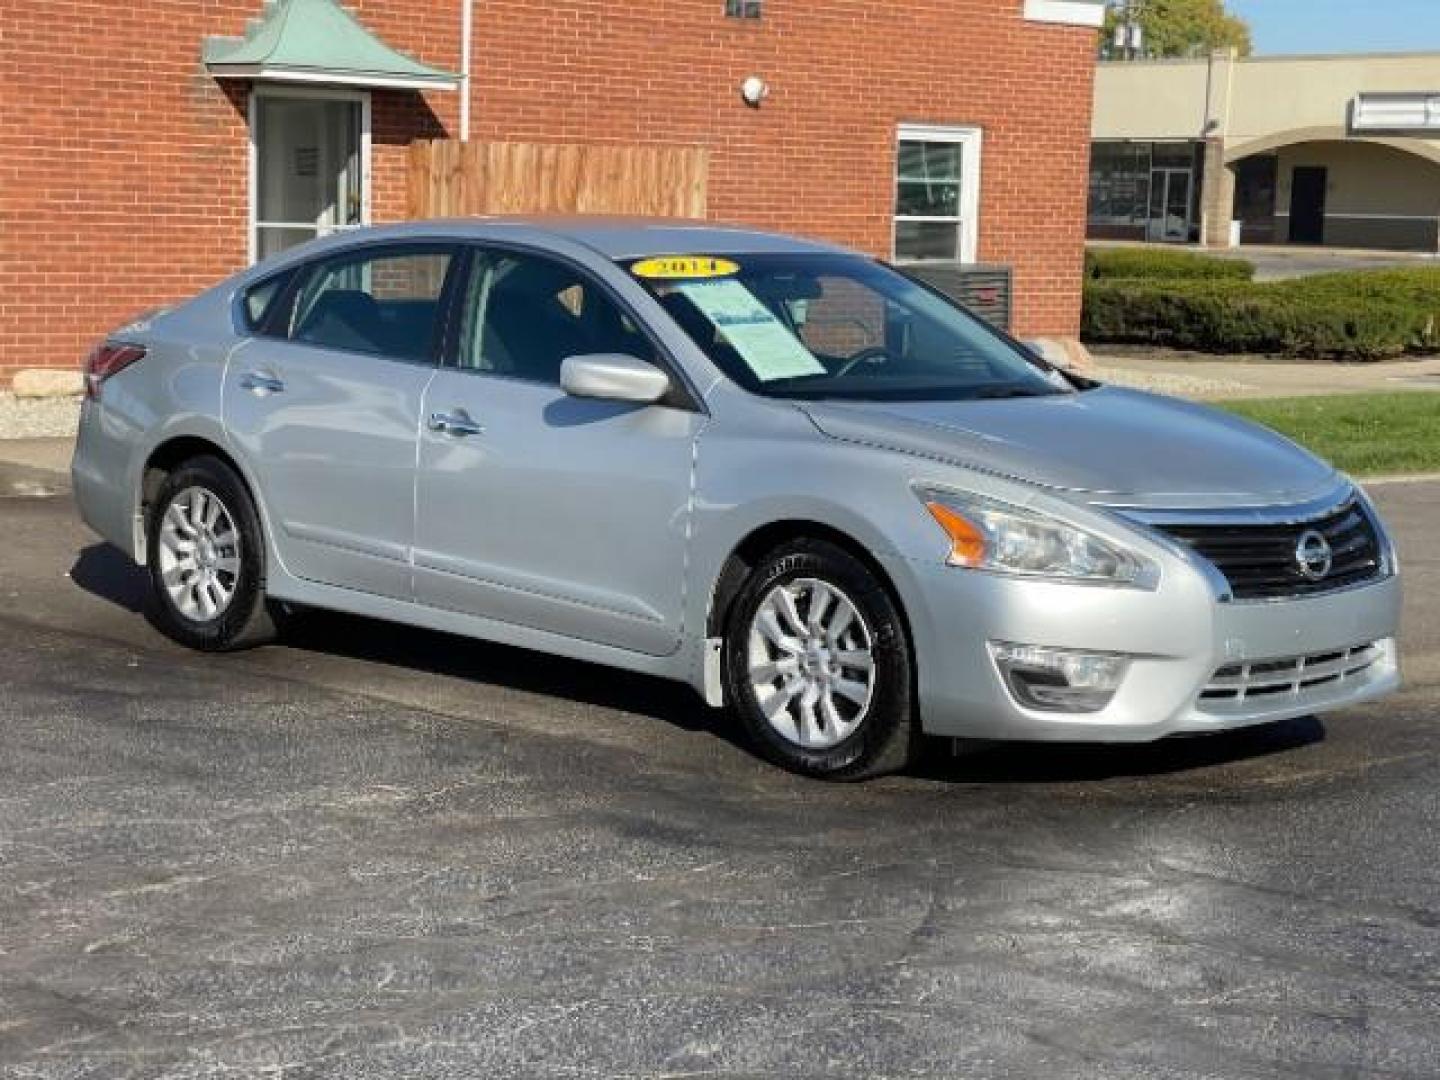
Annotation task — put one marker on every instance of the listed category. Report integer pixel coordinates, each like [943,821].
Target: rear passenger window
[384,303]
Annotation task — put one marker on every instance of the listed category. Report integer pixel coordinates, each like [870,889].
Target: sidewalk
[45,455]
[1212,379]
[36,466]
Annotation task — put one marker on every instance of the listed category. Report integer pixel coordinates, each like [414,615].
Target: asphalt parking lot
[377,852]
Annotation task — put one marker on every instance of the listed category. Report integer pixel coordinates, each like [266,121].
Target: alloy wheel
[199,554]
[811,663]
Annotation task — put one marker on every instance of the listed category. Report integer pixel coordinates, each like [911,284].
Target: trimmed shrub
[1369,315]
[1150,264]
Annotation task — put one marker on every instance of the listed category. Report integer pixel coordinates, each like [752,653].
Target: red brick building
[149,148]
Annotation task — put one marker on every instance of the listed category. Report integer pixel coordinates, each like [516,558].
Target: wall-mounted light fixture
[754,90]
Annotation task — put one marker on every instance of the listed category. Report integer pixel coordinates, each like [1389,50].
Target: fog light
[1058,680]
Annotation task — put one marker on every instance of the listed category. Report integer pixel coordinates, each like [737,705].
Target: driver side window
[523,314]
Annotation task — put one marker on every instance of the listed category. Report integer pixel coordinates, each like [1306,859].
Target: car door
[325,405]
[539,509]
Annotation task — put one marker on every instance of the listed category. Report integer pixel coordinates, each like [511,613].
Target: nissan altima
[816,490]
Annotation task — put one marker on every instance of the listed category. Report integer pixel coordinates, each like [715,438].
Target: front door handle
[454,424]
[257,383]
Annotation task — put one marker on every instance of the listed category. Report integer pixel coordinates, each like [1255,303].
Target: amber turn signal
[967,542]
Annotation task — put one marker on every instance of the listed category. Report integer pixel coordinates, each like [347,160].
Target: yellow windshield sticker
[684,267]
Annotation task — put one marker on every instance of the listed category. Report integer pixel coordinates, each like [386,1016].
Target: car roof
[612,237]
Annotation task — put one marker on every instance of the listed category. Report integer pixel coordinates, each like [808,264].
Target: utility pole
[1129,34]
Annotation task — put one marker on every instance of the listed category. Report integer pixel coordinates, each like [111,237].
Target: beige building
[1335,150]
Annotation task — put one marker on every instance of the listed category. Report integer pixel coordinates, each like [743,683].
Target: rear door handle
[455,424]
[261,384]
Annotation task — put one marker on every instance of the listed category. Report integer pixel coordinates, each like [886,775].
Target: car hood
[1111,445]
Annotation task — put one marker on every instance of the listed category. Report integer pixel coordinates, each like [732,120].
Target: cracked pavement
[380,852]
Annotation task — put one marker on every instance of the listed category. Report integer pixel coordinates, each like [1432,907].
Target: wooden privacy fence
[455,179]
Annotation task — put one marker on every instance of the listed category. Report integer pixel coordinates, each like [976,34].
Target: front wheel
[206,558]
[818,664]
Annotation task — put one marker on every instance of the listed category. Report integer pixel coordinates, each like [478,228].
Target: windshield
[838,326]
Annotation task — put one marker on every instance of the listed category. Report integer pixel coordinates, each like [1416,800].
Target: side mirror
[613,377]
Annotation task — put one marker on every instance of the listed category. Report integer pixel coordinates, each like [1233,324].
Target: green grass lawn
[1363,434]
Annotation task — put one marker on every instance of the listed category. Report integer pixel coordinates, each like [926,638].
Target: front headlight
[989,535]
[1390,556]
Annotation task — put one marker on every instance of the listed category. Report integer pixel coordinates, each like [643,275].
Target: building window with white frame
[937,194]
[743,9]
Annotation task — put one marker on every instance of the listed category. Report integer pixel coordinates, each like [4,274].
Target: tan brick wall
[124,166]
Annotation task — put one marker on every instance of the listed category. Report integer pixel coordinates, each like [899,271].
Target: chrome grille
[1260,561]
[1261,681]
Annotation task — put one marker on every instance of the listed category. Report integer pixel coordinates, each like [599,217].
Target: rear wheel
[207,559]
[818,664]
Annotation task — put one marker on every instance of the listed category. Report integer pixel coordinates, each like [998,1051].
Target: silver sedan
[783,472]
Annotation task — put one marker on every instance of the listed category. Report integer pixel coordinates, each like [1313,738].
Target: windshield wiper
[1000,393]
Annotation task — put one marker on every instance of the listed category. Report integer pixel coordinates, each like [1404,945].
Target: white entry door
[309,174]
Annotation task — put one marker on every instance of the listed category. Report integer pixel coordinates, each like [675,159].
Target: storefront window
[1173,155]
[1145,190]
[1120,185]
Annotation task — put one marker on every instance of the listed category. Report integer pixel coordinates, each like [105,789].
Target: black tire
[247,620]
[887,736]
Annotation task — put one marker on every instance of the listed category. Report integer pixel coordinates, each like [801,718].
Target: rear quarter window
[259,300]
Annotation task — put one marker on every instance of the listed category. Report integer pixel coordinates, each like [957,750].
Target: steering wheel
[864,356]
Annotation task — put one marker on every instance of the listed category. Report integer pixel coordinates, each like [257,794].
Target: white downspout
[467,33]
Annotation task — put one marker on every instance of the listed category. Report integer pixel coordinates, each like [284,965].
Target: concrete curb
[1402,478]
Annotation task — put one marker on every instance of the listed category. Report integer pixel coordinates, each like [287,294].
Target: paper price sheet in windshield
[766,344]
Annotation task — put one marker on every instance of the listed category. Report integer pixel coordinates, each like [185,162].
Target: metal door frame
[1155,227]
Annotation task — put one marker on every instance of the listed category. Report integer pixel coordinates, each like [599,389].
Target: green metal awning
[318,41]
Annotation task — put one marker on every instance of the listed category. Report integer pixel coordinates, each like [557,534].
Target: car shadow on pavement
[504,667]
[1030,763]
[105,572]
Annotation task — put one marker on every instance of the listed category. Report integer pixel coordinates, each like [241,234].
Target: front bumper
[1181,637]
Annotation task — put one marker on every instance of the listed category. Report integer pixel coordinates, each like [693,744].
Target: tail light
[107,359]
